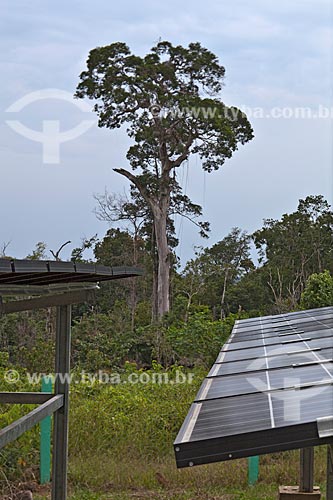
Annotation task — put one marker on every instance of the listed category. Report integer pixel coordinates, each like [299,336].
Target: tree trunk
[154,313]
[222,313]
[134,298]
[163,276]
[160,208]
[188,305]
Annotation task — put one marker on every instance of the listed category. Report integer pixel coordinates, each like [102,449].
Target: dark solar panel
[270,389]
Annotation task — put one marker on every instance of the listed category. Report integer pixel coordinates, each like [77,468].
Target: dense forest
[285,265]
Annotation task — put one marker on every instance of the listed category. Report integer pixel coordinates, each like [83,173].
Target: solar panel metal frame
[43,273]
[194,445]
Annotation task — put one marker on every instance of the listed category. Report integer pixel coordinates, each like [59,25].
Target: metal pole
[329,485]
[306,470]
[45,439]
[29,420]
[60,431]
[253,470]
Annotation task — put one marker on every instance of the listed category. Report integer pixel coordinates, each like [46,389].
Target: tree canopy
[170,101]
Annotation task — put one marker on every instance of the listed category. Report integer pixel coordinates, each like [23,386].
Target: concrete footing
[293,493]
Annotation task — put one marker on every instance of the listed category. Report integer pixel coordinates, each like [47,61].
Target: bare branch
[141,187]
[4,247]
[57,253]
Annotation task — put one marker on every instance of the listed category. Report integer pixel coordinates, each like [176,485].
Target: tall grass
[120,447]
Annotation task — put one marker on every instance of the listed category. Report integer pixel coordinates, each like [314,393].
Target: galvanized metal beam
[306,470]
[63,299]
[60,429]
[208,450]
[23,424]
[46,289]
[23,398]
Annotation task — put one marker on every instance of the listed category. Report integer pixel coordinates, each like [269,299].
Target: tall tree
[170,101]
[118,248]
[133,213]
[215,269]
[294,247]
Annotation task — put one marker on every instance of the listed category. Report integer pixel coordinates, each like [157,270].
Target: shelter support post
[306,470]
[60,430]
[306,488]
[329,486]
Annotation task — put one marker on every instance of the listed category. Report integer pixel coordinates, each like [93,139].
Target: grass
[105,477]
[121,448]
[261,492]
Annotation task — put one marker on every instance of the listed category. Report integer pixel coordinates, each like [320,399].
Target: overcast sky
[276,54]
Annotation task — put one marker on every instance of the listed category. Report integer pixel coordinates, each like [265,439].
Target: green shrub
[318,291]
[22,453]
[199,341]
[98,343]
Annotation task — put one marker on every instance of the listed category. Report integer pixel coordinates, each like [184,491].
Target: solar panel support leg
[329,486]
[253,470]
[306,472]
[60,430]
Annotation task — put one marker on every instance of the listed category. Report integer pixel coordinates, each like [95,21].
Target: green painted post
[45,439]
[253,470]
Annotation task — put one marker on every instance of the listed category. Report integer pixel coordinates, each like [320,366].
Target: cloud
[275,53]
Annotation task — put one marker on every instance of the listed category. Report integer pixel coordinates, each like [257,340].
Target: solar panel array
[270,389]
